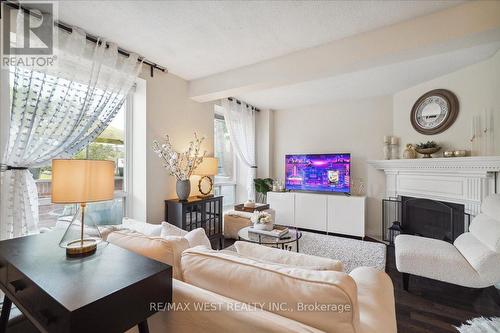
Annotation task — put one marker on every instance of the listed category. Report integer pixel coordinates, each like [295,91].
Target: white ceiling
[199,38]
[377,81]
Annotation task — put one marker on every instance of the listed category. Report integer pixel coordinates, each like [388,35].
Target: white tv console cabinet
[331,213]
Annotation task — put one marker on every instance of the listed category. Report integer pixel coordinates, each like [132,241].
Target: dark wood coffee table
[110,291]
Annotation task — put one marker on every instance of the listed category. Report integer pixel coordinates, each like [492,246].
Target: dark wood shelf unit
[198,212]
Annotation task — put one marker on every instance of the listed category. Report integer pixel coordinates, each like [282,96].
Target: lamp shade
[207,167]
[80,181]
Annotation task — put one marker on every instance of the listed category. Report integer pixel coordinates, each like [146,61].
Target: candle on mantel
[473,128]
[394,140]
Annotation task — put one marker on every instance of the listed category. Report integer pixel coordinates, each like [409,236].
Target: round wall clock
[434,112]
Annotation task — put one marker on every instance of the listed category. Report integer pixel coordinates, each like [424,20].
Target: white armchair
[473,260]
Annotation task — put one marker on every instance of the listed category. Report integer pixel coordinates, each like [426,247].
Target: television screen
[318,172]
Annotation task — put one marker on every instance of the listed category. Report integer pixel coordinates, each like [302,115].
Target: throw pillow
[198,237]
[168,229]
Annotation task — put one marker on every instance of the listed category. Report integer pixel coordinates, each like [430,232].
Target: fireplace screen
[424,217]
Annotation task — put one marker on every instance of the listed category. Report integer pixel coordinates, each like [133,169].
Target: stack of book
[277,232]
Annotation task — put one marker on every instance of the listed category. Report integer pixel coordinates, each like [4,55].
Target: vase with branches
[180,164]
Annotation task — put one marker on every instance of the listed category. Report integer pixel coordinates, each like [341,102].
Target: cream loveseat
[473,260]
[271,291]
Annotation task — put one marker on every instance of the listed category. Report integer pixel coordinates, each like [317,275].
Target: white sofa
[229,283]
[473,260]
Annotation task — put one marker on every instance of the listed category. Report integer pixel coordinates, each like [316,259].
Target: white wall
[476,86]
[170,111]
[264,138]
[357,127]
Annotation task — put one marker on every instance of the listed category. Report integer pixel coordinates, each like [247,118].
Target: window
[110,145]
[225,180]
[223,151]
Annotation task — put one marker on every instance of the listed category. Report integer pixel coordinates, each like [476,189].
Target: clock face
[434,112]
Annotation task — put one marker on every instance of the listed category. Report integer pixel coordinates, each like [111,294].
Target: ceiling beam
[473,23]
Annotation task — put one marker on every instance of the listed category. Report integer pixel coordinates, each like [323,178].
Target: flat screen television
[318,172]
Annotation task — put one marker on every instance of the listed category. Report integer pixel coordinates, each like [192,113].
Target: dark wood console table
[196,212]
[110,291]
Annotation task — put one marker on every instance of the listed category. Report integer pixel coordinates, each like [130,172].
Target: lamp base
[81,247]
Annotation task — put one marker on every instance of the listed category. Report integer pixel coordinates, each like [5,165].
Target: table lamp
[207,168]
[81,182]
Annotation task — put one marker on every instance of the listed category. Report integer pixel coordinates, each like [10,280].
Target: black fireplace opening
[424,217]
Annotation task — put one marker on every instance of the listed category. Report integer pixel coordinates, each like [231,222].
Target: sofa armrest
[220,314]
[377,312]
[277,256]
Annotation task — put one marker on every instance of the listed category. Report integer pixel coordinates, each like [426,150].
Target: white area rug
[481,325]
[352,252]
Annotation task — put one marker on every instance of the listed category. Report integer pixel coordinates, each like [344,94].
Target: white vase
[261,226]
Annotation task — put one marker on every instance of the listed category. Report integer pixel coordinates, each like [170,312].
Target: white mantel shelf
[468,164]
[463,180]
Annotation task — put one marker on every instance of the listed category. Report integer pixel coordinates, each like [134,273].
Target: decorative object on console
[460,153]
[358,186]
[434,112]
[180,165]
[80,182]
[262,221]
[409,153]
[207,168]
[427,149]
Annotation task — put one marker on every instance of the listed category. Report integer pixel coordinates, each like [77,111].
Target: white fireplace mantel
[462,180]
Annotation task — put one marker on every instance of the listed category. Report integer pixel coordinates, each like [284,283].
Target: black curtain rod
[89,37]
[240,102]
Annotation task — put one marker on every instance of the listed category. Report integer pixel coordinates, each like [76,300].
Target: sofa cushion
[291,292]
[484,260]
[167,250]
[300,260]
[487,231]
[491,206]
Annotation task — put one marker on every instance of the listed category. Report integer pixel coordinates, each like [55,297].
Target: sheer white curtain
[240,122]
[55,111]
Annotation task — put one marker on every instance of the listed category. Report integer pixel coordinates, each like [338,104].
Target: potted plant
[180,165]
[427,149]
[262,186]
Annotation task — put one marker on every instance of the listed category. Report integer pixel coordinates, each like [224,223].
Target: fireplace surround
[462,181]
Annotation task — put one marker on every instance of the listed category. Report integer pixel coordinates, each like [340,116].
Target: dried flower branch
[180,165]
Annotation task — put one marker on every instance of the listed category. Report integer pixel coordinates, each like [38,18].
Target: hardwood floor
[433,306]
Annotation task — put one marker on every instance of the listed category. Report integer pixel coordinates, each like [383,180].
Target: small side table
[110,291]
